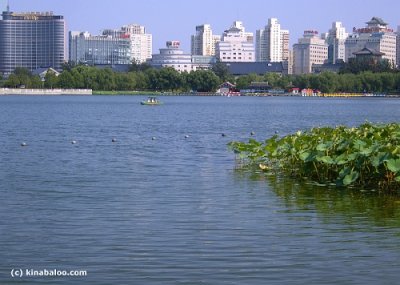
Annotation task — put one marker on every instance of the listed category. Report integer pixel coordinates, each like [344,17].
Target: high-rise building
[203,42]
[32,40]
[309,50]
[336,43]
[285,38]
[141,42]
[398,46]
[236,45]
[216,39]
[377,36]
[129,44]
[272,43]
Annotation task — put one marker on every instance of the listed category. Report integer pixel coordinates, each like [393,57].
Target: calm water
[173,210]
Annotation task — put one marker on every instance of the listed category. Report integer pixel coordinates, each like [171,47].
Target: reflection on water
[354,206]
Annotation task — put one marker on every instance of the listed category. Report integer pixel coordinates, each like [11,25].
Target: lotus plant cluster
[366,157]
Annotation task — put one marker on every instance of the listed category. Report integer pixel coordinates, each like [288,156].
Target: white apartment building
[309,50]
[272,43]
[124,46]
[236,45]
[141,42]
[335,39]
[376,36]
[202,43]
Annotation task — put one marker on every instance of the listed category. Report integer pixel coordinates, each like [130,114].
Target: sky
[177,19]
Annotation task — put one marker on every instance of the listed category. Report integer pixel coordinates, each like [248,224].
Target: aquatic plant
[365,157]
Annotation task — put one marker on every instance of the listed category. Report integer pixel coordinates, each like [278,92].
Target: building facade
[203,42]
[336,39]
[32,40]
[376,36]
[398,46]
[98,50]
[173,56]
[141,42]
[129,44]
[309,50]
[236,45]
[285,38]
[272,43]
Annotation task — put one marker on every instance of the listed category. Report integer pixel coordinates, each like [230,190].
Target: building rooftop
[367,51]
[377,21]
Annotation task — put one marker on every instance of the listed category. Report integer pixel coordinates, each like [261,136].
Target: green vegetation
[355,76]
[141,78]
[366,157]
[328,82]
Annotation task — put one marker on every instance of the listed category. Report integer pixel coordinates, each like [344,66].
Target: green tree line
[145,78]
[165,79]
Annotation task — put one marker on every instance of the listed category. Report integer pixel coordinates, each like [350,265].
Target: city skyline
[177,19]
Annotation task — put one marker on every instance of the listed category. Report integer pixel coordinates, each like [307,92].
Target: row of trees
[329,82]
[165,79]
[143,77]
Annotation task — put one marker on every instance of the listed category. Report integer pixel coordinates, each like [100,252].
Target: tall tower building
[272,43]
[236,45]
[32,40]
[335,39]
[309,50]
[376,36]
[202,42]
[285,39]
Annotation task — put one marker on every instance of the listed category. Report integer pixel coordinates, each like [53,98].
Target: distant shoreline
[38,92]
[86,92]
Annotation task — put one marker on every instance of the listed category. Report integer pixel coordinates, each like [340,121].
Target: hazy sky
[176,19]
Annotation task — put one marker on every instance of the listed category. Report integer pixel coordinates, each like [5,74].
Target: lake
[165,204]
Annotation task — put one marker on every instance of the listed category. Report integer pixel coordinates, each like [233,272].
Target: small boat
[151,101]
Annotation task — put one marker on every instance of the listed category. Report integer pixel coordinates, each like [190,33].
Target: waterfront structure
[376,36]
[272,43]
[236,45]
[335,39]
[129,44]
[259,68]
[204,41]
[173,56]
[31,40]
[309,50]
